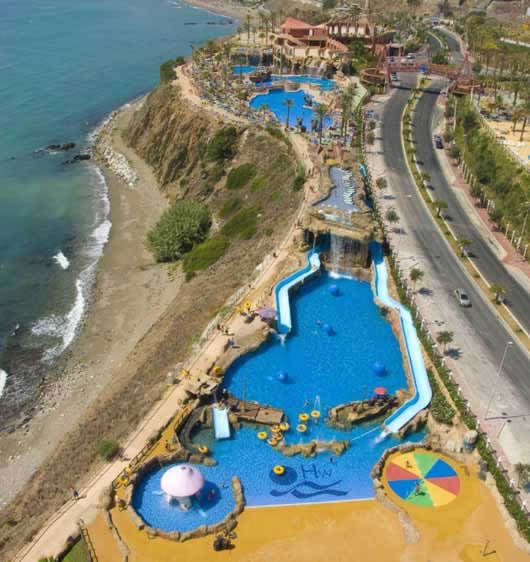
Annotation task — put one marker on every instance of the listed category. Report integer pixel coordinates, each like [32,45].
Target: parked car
[463,299]
[394,77]
[411,56]
[438,141]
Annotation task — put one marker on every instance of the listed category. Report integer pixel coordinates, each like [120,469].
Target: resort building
[299,41]
[346,27]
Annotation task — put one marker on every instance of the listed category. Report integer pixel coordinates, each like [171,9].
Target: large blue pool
[275,99]
[323,83]
[323,371]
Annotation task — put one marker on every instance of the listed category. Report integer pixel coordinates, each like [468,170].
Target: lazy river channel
[323,370]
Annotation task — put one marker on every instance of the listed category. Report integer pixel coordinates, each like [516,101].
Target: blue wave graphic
[321,490]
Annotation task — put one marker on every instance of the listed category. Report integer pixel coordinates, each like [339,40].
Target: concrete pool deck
[342,531]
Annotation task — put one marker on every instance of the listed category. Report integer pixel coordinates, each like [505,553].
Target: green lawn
[76,554]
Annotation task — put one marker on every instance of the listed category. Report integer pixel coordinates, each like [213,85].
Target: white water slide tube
[281,291]
[422,388]
[221,423]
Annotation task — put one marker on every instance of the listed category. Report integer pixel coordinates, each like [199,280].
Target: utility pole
[508,344]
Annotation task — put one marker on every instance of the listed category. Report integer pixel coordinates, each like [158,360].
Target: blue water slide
[422,388]
[281,291]
[221,423]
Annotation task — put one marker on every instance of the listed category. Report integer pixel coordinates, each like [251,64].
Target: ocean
[64,66]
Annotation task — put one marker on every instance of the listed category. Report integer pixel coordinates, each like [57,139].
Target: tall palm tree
[445,338]
[355,12]
[526,113]
[322,111]
[463,245]
[416,275]
[288,103]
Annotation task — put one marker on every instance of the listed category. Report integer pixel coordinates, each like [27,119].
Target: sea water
[63,67]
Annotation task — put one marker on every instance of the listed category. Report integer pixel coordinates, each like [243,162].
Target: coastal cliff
[249,192]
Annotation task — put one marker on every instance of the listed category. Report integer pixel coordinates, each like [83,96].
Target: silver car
[462,297]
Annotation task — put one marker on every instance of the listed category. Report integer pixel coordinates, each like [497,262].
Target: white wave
[62,260]
[3,380]
[66,326]
[176,4]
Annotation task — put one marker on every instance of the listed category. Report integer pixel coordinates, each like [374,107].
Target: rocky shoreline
[105,152]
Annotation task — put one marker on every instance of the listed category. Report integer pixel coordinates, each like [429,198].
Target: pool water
[275,99]
[324,83]
[213,503]
[244,69]
[322,371]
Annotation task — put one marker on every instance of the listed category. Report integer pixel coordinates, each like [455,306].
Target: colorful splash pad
[422,478]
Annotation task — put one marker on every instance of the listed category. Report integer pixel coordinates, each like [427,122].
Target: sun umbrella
[267,312]
[182,481]
[380,391]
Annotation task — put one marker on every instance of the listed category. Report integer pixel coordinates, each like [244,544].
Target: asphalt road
[481,319]
[485,258]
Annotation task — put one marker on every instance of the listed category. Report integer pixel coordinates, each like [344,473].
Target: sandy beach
[220,7]
[129,295]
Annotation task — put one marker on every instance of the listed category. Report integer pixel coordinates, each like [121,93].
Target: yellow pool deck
[343,531]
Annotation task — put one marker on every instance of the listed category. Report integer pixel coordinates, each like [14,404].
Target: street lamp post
[508,344]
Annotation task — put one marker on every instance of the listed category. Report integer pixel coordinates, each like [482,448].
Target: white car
[463,299]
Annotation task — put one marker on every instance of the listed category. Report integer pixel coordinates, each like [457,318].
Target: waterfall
[336,252]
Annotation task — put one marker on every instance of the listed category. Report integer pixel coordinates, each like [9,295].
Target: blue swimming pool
[275,99]
[324,83]
[322,371]
[214,503]
[244,69]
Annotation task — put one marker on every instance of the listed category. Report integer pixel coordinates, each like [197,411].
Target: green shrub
[222,146]
[277,133]
[230,206]
[240,176]
[167,71]
[204,255]
[299,181]
[217,172]
[243,225]
[179,61]
[180,227]
[257,183]
[108,449]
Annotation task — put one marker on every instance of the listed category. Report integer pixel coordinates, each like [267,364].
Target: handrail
[93,557]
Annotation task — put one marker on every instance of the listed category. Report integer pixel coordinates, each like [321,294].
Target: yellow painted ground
[103,541]
[347,531]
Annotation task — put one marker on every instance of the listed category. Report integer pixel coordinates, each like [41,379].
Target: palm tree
[463,245]
[355,12]
[440,205]
[414,5]
[445,338]
[322,111]
[416,275]
[288,103]
[526,113]
[392,217]
[381,182]
[517,115]
[523,474]
[247,27]
[499,291]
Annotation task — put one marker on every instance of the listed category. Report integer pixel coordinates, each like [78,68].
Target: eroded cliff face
[169,134]
[173,137]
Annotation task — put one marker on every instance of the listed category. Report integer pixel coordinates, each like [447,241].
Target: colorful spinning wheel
[423,479]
